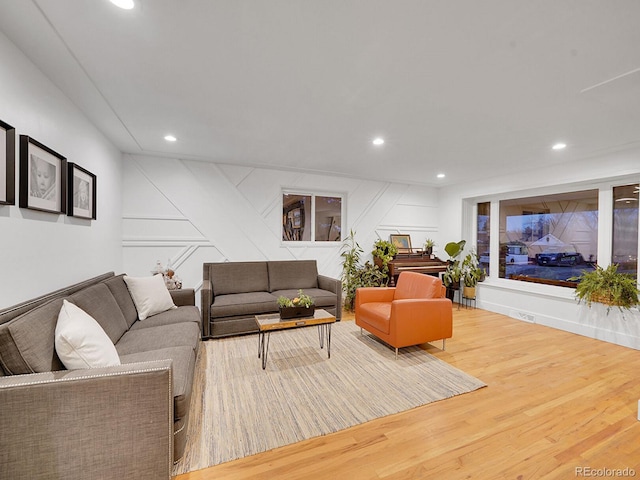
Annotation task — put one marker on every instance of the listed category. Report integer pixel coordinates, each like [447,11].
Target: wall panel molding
[237,212]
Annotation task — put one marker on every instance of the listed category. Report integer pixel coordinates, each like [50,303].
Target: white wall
[193,212]
[544,304]
[40,252]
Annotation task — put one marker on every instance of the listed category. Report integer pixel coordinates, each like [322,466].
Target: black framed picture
[81,200]
[43,177]
[7,164]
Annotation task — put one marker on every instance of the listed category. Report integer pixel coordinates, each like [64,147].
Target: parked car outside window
[559,257]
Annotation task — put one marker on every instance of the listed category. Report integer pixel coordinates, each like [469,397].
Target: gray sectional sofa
[234,292]
[126,421]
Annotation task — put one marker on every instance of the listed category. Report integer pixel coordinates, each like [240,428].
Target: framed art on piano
[402,242]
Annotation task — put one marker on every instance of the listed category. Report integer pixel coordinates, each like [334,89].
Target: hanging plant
[607,286]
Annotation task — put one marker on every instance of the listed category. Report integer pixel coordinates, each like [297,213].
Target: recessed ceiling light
[559,146]
[125,4]
[441,175]
[170,138]
[378,141]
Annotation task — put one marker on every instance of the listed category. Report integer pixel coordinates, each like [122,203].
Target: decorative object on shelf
[171,280]
[383,252]
[7,164]
[428,246]
[82,192]
[452,276]
[607,286]
[301,306]
[43,177]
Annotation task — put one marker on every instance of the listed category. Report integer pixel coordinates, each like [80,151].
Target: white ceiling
[465,87]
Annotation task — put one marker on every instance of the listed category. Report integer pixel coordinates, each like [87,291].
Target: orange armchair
[415,311]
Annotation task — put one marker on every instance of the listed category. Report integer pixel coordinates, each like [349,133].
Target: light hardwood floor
[555,402]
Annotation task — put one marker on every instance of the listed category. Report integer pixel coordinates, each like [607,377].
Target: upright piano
[414,262]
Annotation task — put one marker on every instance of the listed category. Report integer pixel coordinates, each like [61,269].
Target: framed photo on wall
[7,164]
[43,177]
[82,192]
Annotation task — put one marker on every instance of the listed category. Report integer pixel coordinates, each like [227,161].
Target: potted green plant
[428,246]
[607,286]
[452,275]
[471,274]
[300,306]
[354,274]
[383,252]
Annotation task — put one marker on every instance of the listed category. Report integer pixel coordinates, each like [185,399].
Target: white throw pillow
[81,342]
[150,295]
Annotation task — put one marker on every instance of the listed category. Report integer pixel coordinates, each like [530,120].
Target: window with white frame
[308,217]
[548,239]
[552,238]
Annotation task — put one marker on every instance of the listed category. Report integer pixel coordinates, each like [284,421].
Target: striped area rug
[238,409]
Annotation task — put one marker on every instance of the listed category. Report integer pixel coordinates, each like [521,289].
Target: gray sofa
[126,421]
[234,292]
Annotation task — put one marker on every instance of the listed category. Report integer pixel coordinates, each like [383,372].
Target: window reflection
[295,215]
[307,217]
[548,239]
[625,228]
[484,220]
[328,219]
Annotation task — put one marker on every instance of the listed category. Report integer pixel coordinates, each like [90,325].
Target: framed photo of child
[43,177]
[7,164]
[82,192]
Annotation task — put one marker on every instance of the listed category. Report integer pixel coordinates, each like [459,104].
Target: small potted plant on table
[301,306]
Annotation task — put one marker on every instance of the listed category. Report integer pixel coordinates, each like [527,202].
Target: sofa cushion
[186,334]
[239,277]
[81,342]
[292,274]
[27,343]
[149,294]
[321,298]
[243,304]
[99,303]
[182,365]
[121,293]
[187,313]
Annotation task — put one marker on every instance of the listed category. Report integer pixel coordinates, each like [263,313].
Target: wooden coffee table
[272,322]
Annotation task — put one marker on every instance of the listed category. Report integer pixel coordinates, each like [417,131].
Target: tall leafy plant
[384,251]
[354,273]
[453,273]
[471,271]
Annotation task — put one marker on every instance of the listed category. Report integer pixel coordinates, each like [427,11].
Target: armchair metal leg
[396,353]
[443,340]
